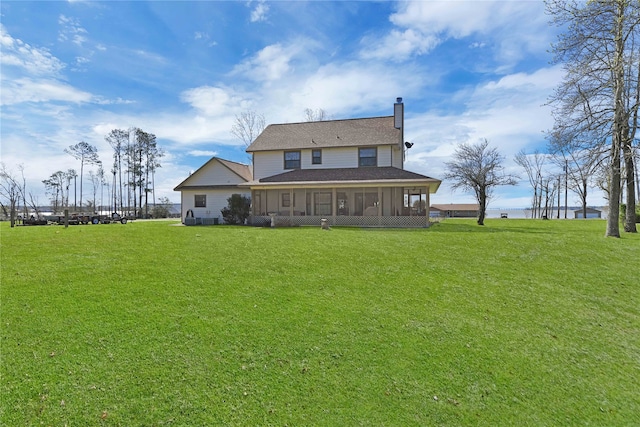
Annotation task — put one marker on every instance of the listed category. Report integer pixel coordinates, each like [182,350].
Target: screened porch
[368,206]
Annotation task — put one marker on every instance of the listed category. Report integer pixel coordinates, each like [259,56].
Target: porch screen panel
[342,203]
[322,203]
[366,204]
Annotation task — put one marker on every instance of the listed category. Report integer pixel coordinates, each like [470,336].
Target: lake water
[527,213]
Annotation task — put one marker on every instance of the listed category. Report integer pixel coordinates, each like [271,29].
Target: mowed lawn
[520,322]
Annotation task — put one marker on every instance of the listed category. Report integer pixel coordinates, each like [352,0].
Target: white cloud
[259,13]
[214,101]
[71,30]
[200,35]
[118,101]
[348,88]
[203,153]
[269,64]
[35,61]
[42,90]
[509,112]
[399,45]
[190,130]
[515,27]
[455,19]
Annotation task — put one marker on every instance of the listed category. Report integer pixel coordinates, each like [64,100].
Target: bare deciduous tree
[600,93]
[10,190]
[478,169]
[580,164]
[247,126]
[533,164]
[315,115]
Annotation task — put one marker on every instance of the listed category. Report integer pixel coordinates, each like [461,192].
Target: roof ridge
[329,121]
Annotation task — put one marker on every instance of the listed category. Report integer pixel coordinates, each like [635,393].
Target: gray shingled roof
[330,133]
[346,174]
[457,207]
[240,169]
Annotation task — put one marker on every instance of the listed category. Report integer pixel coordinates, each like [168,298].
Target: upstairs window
[316,157]
[292,160]
[200,201]
[368,157]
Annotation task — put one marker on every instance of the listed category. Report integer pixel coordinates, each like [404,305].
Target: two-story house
[350,172]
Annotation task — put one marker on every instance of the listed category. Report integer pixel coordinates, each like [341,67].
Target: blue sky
[467,70]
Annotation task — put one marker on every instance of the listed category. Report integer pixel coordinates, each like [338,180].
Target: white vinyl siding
[215,173]
[269,163]
[332,158]
[397,160]
[216,200]
[384,156]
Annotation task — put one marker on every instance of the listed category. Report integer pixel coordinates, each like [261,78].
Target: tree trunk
[81,172]
[619,123]
[613,227]
[482,201]
[630,217]
[584,198]
[12,214]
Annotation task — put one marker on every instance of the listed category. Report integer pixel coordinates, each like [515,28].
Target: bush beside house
[237,210]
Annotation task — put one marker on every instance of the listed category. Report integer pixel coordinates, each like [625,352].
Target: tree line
[595,110]
[129,182]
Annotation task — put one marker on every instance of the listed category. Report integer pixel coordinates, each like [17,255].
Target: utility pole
[559,187]
[637,174]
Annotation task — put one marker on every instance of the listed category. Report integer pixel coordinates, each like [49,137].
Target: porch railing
[352,221]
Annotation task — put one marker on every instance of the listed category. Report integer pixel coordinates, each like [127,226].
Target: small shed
[591,213]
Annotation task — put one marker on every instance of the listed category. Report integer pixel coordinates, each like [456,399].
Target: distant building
[591,213]
[456,210]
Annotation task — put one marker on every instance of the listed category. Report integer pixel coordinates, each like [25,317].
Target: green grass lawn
[520,322]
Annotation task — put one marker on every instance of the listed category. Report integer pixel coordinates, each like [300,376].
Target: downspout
[427,212]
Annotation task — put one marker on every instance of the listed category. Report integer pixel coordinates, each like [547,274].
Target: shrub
[623,212]
[237,210]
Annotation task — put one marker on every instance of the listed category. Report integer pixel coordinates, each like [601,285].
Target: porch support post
[379,206]
[291,203]
[334,202]
[427,212]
